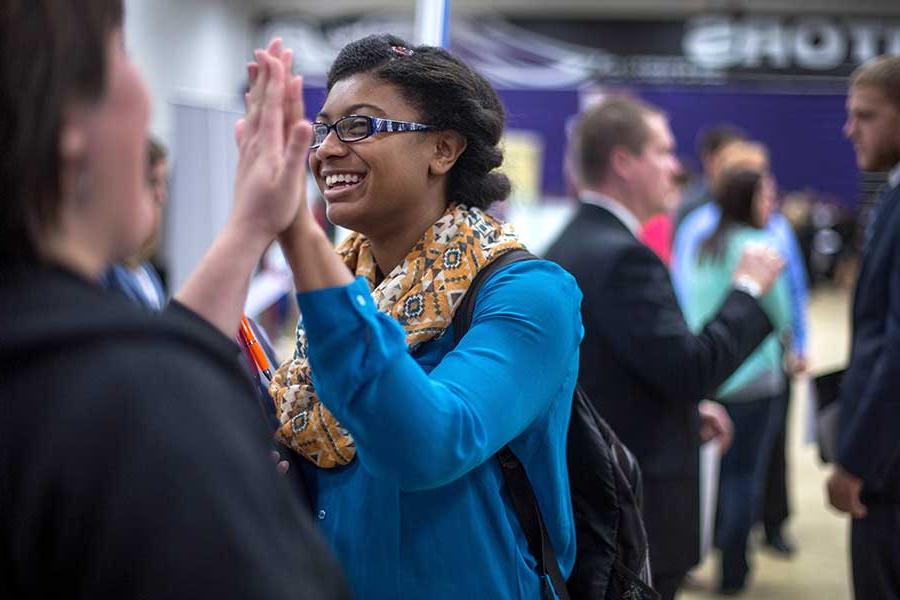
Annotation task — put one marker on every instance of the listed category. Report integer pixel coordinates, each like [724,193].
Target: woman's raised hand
[273,140]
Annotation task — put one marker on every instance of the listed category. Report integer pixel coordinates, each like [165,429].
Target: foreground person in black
[133,456]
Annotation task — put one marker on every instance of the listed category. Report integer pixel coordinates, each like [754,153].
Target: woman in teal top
[397,425]
[750,395]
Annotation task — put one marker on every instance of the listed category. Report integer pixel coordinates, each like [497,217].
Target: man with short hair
[137,278]
[641,365]
[710,143]
[865,482]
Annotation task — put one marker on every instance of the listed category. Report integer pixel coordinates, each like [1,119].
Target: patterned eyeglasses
[354,128]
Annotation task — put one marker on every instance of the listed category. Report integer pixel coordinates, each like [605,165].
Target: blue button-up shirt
[422,512]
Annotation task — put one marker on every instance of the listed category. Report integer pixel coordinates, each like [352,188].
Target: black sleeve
[170,493]
[638,313]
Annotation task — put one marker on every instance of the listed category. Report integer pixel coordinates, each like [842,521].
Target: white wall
[189,51]
[193,56]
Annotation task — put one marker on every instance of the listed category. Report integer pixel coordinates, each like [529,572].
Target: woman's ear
[449,145]
[72,138]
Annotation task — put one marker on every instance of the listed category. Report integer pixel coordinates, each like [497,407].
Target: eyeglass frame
[376,125]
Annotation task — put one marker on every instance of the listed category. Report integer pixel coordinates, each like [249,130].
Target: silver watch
[748,285]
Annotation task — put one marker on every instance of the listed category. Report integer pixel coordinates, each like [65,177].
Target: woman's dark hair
[449,95]
[735,196]
[52,53]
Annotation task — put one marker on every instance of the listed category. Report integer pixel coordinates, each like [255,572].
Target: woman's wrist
[247,235]
[303,228]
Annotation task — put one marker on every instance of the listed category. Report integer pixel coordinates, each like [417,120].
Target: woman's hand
[273,140]
[306,247]
[269,191]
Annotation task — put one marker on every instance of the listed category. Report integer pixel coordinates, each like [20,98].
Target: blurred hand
[843,493]
[760,263]
[796,363]
[281,466]
[270,187]
[715,424]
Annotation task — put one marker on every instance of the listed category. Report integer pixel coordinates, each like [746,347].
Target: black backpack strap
[520,490]
[462,318]
[532,523]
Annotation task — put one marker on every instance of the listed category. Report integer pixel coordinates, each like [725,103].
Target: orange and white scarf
[421,293]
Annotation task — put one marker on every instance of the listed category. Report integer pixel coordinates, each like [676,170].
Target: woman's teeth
[345,178]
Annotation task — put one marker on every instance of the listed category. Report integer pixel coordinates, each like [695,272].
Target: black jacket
[646,371]
[134,457]
[869,437]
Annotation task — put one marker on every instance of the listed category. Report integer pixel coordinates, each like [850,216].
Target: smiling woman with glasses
[396,424]
[355,128]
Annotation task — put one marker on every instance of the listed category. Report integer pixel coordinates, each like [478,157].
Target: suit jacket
[869,434]
[645,370]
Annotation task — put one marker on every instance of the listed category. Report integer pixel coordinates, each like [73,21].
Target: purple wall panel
[803,131]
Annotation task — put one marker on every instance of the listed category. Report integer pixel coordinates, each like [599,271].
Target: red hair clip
[402,51]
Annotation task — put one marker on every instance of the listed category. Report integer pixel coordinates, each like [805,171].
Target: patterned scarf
[421,293]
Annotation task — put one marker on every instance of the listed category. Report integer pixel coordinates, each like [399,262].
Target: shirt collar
[894,176]
[618,209]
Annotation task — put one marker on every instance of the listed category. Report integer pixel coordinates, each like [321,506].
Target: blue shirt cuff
[328,309]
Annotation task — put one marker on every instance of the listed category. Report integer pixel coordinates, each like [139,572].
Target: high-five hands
[273,140]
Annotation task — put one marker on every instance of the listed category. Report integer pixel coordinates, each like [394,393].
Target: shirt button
[360,300]
[321,515]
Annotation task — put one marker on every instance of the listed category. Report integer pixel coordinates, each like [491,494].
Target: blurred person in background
[640,363]
[710,143]
[746,199]
[136,277]
[865,482]
[659,229]
[689,238]
[397,424]
[133,458]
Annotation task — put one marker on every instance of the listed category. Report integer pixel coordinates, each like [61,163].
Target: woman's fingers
[272,114]
[297,147]
[257,92]
[275,48]
[239,131]
[252,73]
[295,94]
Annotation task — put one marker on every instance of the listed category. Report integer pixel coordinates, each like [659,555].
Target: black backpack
[612,559]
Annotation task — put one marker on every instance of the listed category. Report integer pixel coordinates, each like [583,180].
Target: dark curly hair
[449,95]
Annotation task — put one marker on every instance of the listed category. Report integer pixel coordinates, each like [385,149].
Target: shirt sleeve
[869,445]
[427,429]
[695,228]
[795,280]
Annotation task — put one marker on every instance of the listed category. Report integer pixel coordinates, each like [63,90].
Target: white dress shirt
[614,206]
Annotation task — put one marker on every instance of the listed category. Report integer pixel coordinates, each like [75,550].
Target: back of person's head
[712,139]
[735,195]
[615,122]
[739,155]
[52,56]
[883,74]
[450,96]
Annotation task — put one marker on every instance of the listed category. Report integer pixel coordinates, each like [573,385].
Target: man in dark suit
[640,363]
[866,479]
